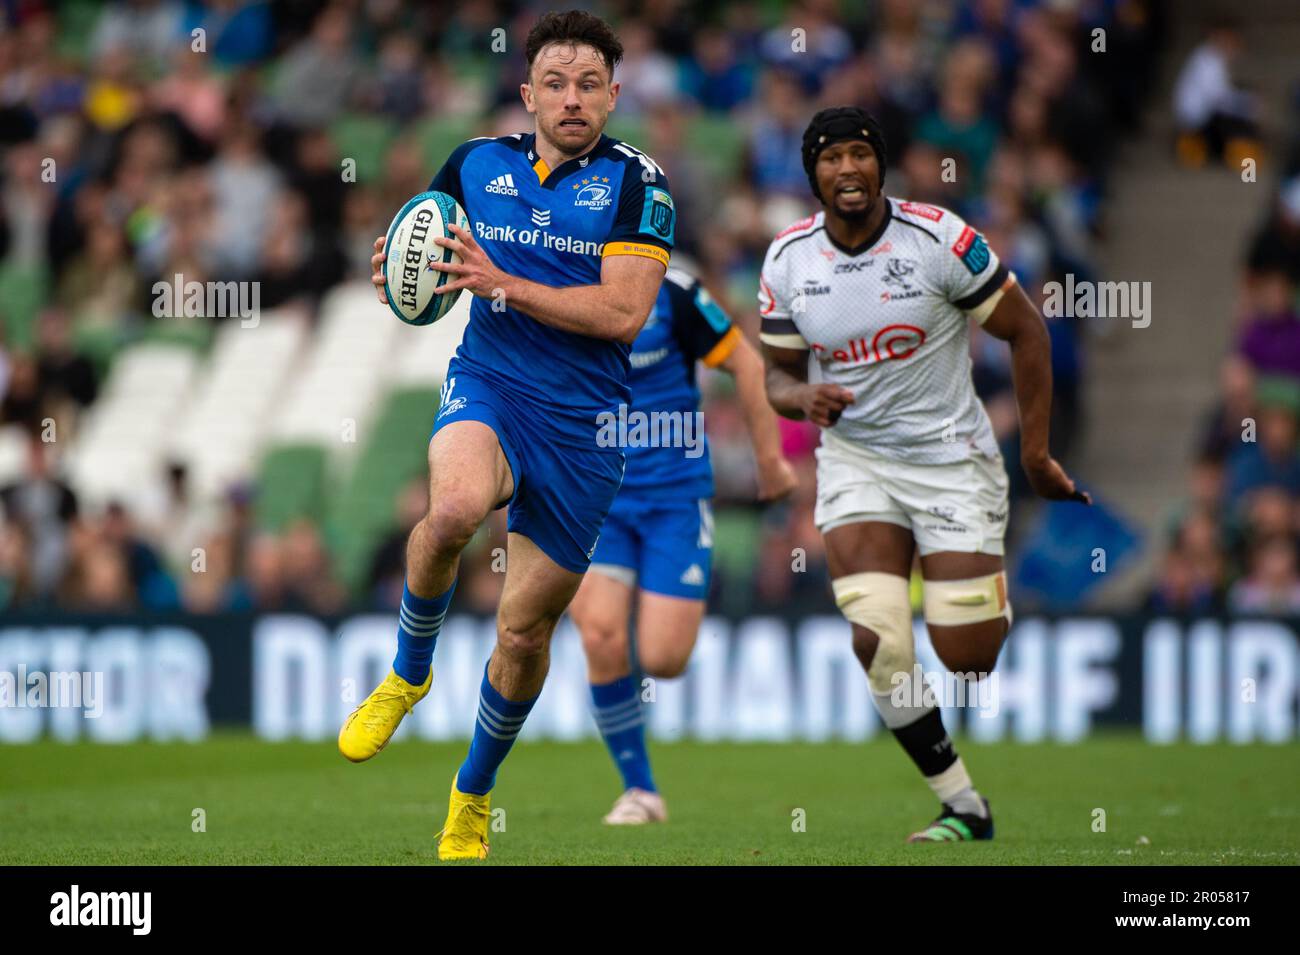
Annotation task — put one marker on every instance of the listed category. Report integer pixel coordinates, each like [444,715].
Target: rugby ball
[409,281]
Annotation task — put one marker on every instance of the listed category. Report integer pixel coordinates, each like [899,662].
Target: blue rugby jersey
[554,226]
[686,326]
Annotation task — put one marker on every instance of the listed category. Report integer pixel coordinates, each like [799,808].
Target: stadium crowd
[219,158]
[1231,543]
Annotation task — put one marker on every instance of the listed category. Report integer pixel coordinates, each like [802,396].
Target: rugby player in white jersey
[877,295]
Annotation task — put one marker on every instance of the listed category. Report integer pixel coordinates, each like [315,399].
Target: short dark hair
[576,27]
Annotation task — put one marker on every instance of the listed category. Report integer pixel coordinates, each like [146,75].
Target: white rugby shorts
[947,507]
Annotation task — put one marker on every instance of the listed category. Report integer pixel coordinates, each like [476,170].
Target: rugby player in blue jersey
[657,542]
[570,237]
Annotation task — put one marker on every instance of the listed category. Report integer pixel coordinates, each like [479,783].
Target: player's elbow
[629,334]
[628,324]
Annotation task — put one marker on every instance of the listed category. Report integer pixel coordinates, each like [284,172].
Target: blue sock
[499,722]
[418,621]
[618,716]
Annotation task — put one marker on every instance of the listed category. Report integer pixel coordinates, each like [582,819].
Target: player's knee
[664,663]
[449,525]
[523,643]
[603,640]
[880,610]
[864,645]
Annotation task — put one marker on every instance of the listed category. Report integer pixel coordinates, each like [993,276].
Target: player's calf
[667,628]
[879,609]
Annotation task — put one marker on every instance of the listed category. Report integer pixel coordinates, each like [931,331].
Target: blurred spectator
[308,571]
[244,188]
[26,205]
[316,174]
[1179,590]
[22,402]
[115,94]
[319,75]
[387,573]
[958,126]
[296,262]
[100,286]
[152,587]
[46,509]
[193,93]
[715,76]
[236,32]
[1225,424]
[1270,459]
[1211,111]
[98,580]
[1272,586]
[773,153]
[1277,244]
[142,28]
[808,43]
[16,587]
[65,376]
[1270,337]
[647,77]
[399,84]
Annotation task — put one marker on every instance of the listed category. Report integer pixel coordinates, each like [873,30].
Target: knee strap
[881,604]
[952,603]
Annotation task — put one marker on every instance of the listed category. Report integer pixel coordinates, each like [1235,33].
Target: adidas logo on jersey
[502,186]
[694,576]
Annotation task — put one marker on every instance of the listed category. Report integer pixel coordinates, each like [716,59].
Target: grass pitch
[296,803]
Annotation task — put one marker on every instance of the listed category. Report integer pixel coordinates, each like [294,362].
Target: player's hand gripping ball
[410,252]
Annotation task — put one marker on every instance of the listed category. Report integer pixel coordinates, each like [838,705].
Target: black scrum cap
[837,124]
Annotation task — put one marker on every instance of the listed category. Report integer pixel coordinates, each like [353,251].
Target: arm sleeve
[776,307]
[703,330]
[646,219]
[973,277]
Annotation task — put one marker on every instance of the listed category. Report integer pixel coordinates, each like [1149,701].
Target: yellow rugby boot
[465,833]
[371,725]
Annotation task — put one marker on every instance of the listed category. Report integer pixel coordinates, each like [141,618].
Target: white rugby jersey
[888,321]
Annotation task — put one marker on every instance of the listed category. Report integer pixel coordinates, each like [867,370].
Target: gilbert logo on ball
[409,278]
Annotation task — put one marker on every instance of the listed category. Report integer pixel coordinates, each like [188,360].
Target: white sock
[953,787]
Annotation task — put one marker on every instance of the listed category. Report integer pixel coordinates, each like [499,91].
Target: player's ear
[526,94]
[613,95]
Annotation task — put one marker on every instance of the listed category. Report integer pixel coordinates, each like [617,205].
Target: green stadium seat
[197,335]
[365,139]
[737,533]
[439,136]
[23,292]
[291,484]
[77,20]
[363,510]
[629,129]
[742,288]
[718,142]
[99,343]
